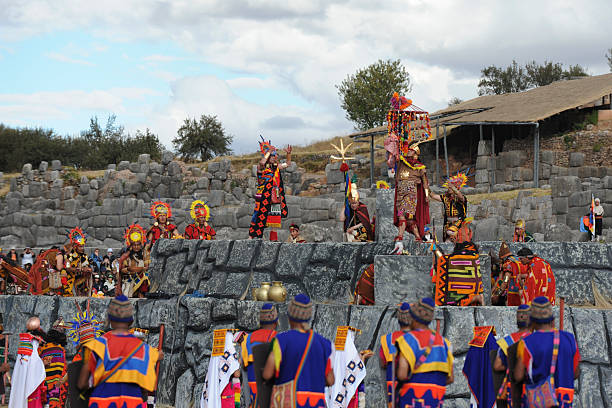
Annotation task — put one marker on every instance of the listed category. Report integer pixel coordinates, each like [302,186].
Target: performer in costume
[76,264]
[425,364]
[294,235]
[478,367]
[28,381]
[356,219]
[270,204]
[349,367]
[268,321]
[134,264]
[544,349]
[53,354]
[222,384]
[509,285]
[540,279]
[130,359]
[299,362]
[199,229]
[162,227]
[520,234]
[455,203]
[83,328]
[501,360]
[598,212]
[364,289]
[388,352]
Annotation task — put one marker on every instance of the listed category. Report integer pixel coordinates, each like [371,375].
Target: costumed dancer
[270,204]
[388,351]
[540,279]
[521,234]
[78,278]
[53,354]
[162,227]
[425,364]
[300,361]
[551,378]
[28,381]
[268,321]
[349,370]
[48,275]
[199,229]
[132,362]
[509,285]
[222,384]
[355,217]
[455,203]
[4,366]
[294,235]
[598,212]
[501,364]
[478,367]
[84,327]
[134,264]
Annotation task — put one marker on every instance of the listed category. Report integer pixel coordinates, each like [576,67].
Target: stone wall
[189,324]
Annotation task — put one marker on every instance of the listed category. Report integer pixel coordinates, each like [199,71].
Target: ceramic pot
[277,292]
[262,292]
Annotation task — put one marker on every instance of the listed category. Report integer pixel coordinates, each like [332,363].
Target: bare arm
[403,369]
[519,371]
[434,196]
[498,365]
[288,151]
[83,381]
[268,371]
[330,379]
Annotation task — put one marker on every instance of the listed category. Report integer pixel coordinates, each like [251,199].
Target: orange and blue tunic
[124,388]
[504,344]
[303,357]
[427,383]
[57,393]
[536,352]
[387,353]
[257,337]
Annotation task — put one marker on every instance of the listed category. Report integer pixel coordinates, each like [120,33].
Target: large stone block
[482,176]
[401,278]
[576,159]
[564,186]
[242,254]
[333,176]
[592,341]
[590,388]
[292,260]
[560,205]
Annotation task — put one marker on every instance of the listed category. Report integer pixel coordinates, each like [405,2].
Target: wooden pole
[536,156]
[160,344]
[446,154]
[5,376]
[561,312]
[372,160]
[493,167]
[437,152]
[480,129]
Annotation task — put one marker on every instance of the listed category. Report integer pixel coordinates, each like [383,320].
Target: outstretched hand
[288,149]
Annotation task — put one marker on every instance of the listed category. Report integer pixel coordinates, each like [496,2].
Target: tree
[609,58]
[454,101]
[547,73]
[497,80]
[205,138]
[365,95]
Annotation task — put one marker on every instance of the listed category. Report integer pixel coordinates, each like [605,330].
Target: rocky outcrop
[189,323]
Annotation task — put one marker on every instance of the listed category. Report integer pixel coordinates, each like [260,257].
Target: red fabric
[157,232]
[195,231]
[540,281]
[328,367]
[422,211]
[273,236]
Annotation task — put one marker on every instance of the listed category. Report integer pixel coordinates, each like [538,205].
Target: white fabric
[220,371]
[28,374]
[349,371]
[474,402]
[27,259]
[598,210]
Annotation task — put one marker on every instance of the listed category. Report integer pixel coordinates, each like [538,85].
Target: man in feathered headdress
[134,264]
[455,203]
[355,217]
[76,264]
[200,229]
[270,204]
[162,227]
[521,234]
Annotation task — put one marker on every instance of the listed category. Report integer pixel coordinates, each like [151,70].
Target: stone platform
[189,323]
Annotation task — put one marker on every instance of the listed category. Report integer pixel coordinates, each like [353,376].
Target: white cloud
[63,58]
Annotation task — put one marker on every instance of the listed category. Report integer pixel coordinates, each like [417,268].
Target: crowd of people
[298,368]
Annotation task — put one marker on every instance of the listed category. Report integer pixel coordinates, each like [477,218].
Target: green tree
[454,101]
[204,138]
[544,74]
[498,80]
[609,58]
[365,95]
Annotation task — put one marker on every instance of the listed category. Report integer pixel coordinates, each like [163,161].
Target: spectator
[105,266]
[12,258]
[110,255]
[96,258]
[598,212]
[27,259]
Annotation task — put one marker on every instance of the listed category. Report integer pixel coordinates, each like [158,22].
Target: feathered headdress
[266,147]
[84,327]
[77,236]
[199,209]
[135,233]
[382,185]
[399,102]
[160,208]
[459,180]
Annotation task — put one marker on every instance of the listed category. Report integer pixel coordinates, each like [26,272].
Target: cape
[263,203]
[363,216]
[422,210]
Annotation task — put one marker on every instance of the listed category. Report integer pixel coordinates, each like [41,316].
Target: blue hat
[300,309]
[403,314]
[523,315]
[268,314]
[541,310]
[423,311]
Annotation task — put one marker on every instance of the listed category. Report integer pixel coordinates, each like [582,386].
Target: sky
[266,67]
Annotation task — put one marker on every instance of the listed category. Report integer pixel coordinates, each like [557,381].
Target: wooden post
[372,160]
[536,156]
[160,344]
[492,180]
[561,312]
[437,152]
[446,153]
[480,127]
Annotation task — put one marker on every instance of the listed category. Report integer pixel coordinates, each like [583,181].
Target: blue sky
[265,66]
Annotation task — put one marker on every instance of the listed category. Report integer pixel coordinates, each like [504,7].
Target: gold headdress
[160,208]
[199,209]
[135,233]
[458,181]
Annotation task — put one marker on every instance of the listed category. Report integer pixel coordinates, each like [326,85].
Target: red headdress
[135,233]
[160,208]
[266,147]
[77,236]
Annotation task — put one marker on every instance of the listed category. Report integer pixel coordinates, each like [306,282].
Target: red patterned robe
[164,231]
[197,231]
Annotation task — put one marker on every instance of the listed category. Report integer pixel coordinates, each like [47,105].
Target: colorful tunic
[302,361]
[410,195]
[524,237]
[504,344]
[28,379]
[197,231]
[387,353]
[513,266]
[536,351]
[124,388]
[364,290]
[540,281]
[454,209]
[156,232]
[478,367]
[76,282]
[56,370]
[458,279]
[360,216]
[132,283]
[427,383]
[253,339]
[270,204]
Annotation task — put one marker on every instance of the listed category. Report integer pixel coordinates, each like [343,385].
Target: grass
[507,195]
